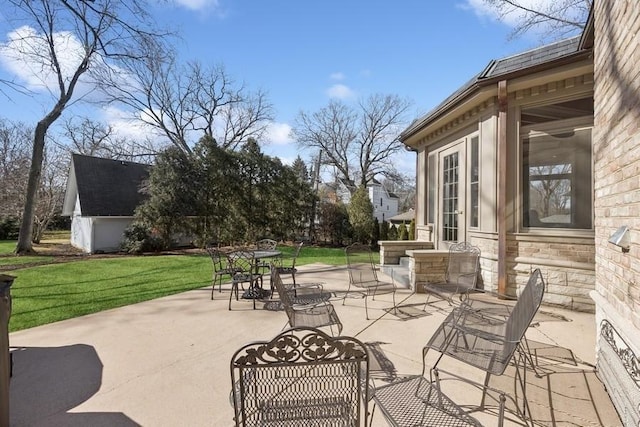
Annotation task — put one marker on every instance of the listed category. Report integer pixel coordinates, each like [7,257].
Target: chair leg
[366,309]
[234,288]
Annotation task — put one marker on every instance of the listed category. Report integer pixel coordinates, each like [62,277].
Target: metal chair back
[486,342]
[266,245]
[301,377]
[363,275]
[245,271]
[315,315]
[221,267]
[463,265]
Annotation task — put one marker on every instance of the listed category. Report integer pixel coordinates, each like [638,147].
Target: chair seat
[415,401]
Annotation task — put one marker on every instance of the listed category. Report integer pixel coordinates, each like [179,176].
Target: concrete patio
[166,362]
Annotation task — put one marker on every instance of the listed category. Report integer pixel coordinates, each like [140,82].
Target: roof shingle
[108,187]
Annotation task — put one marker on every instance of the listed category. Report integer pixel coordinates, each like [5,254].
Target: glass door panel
[452,196]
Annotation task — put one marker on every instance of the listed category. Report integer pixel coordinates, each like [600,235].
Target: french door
[452,197]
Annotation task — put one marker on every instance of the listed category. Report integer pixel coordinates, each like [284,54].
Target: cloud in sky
[337,76]
[127,125]
[512,18]
[279,134]
[25,54]
[340,91]
[198,4]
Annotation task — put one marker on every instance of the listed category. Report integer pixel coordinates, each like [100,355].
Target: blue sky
[305,53]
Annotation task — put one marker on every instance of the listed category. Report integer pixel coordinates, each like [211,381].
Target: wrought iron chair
[221,267]
[470,336]
[364,276]
[265,245]
[461,274]
[287,265]
[301,377]
[310,309]
[245,271]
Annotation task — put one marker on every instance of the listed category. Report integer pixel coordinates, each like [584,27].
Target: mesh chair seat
[415,401]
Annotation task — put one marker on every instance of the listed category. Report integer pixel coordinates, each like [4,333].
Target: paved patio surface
[166,362]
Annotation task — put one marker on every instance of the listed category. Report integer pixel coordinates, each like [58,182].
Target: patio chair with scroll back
[302,377]
[461,275]
[265,245]
[244,266]
[475,338]
[222,266]
[287,264]
[363,276]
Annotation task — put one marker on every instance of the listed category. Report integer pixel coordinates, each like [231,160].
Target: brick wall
[617,153]
[617,172]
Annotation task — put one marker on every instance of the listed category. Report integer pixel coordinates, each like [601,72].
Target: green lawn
[48,293]
[7,257]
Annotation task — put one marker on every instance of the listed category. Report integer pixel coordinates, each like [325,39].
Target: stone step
[400,273]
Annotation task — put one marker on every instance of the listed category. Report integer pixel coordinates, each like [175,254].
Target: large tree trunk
[35,172]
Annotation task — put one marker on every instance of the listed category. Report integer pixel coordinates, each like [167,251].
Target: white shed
[101,198]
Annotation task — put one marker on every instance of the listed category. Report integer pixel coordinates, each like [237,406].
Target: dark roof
[531,58]
[108,187]
[500,68]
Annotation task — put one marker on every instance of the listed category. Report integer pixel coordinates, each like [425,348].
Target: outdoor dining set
[311,373]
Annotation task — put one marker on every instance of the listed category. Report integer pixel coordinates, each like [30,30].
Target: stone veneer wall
[616,151]
[392,250]
[566,263]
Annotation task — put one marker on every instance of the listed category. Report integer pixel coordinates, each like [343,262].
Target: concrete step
[400,273]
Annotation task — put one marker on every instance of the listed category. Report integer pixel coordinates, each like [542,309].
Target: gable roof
[538,59]
[404,216]
[105,187]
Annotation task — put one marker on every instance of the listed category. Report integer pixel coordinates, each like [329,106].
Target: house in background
[537,161]
[402,218]
[101,197]
[385,204]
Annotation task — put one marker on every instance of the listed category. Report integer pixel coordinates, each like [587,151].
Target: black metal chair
[309,307]
[221,267]
[245,271]
[265,245]
[301,377]
[363,276]
[478,339]
[287,264]
[461,275]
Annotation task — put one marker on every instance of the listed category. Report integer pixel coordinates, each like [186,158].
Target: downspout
[502,186]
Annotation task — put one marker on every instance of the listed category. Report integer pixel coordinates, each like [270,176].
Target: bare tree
[358,142]
[559,18]
[231,115]
[67,40]
[89,137]
[94,138]
[178,99]
[14,166]
[51,192]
